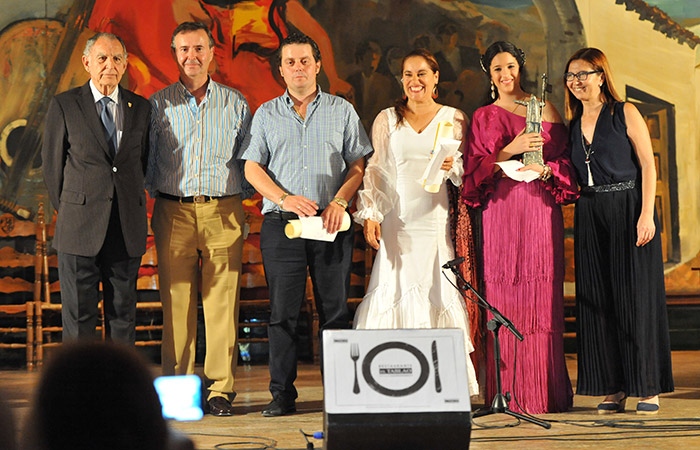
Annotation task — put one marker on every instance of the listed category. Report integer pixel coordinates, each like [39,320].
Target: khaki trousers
[199,247]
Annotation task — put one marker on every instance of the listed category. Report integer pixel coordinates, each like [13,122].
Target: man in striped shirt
[306,155]
[197,128]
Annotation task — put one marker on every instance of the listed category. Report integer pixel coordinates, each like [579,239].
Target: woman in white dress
[408,226]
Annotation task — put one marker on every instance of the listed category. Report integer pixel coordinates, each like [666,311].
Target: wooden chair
[47,323]
[16,286]
[149,309]
[18,320]
[254,304]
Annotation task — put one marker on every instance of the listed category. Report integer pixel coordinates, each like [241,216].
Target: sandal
[612,407]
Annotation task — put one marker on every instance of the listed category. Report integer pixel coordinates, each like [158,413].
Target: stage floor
[677,426]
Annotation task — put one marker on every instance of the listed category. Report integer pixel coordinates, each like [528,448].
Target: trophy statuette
[533,120]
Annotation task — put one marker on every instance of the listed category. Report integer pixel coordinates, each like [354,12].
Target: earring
[435,92]
[493,91]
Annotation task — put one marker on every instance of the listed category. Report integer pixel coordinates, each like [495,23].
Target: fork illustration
[355,355]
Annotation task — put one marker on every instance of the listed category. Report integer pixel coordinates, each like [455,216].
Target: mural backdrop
[362,43]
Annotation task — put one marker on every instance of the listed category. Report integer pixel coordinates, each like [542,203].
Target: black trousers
[286,262]
[80,278]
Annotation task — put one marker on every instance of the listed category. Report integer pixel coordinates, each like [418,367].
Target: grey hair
[90,42]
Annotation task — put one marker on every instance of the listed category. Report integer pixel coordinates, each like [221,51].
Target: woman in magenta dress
[523,236]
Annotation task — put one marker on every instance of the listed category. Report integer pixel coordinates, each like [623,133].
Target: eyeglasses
[581,76]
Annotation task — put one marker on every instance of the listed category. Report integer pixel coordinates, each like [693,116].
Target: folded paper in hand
[433,176]
[510,168]
[312,228]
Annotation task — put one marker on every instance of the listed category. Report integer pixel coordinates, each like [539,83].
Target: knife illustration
[438,384]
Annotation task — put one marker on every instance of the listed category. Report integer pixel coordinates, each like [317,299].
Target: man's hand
[333,217]
[299,205]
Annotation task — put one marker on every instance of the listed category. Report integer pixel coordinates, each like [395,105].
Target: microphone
[454,263]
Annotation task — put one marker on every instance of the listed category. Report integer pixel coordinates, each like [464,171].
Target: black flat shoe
[647,408]
[279,407]
[612,407]
[220,407]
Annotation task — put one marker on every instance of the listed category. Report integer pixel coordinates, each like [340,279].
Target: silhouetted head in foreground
[96,395]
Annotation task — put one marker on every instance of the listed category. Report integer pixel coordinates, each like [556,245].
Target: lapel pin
[129,104]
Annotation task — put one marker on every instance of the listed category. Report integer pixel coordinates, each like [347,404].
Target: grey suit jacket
[82,177]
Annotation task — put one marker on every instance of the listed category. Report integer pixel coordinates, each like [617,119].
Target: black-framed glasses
[580,76]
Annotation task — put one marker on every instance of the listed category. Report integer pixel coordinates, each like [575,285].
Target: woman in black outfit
[623,339]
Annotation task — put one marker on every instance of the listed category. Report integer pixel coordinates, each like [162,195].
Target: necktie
[110,127]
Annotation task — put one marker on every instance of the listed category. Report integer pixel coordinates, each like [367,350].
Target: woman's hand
[373,233]
[545,170]
[645,230]
[524,142]
[534,167]
[447,163]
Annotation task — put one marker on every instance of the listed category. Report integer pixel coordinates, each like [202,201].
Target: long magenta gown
[523,259]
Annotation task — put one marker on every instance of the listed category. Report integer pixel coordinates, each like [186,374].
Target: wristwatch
[341,201]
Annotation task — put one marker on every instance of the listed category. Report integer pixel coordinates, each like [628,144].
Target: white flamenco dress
[407,288]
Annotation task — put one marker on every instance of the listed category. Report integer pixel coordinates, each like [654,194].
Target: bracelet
[280,202]
[341,201]
[546,173]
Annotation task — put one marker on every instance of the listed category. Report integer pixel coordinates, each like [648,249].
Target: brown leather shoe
[220,406]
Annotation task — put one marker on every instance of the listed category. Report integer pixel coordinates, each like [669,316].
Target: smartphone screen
[180,396]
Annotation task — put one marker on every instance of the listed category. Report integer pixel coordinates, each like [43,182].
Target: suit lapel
[86,104]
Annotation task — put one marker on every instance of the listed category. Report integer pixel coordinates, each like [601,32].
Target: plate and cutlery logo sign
[395,371]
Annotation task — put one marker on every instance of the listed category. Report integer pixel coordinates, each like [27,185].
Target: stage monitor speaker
[395,390]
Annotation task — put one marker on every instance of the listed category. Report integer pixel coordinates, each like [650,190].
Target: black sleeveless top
[612,157]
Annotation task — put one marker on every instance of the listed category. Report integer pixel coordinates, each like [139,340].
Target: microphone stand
[500,400]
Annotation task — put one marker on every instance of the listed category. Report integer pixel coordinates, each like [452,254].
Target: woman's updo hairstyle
[501,47]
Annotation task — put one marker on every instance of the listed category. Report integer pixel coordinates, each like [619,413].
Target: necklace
[588,150]
[420,121]
[503,105]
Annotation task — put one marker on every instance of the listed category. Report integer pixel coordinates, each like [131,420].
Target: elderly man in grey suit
[94,152]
